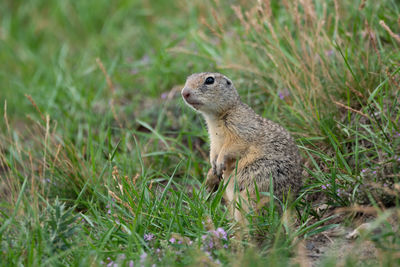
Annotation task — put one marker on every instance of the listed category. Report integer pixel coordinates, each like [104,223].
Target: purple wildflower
[374,172]
[172,240]
[110,262]
[164,95]
[210,244]
[325,186]
[329,53]
[148,237]
[131,263]
[220,233]
[363,170]
[340,192]
[145,60]
[283,94]
[143,257]
[108,209]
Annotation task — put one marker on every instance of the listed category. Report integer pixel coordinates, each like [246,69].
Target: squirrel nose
[185,93]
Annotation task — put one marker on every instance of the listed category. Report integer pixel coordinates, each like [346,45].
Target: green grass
[100,172]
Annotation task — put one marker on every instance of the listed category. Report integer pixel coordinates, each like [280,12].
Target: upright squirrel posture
[246,149]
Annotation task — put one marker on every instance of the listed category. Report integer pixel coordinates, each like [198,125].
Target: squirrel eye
[209,80]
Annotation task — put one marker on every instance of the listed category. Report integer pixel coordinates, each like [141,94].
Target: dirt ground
[350,243]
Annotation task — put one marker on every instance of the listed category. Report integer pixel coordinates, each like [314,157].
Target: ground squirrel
[245,147]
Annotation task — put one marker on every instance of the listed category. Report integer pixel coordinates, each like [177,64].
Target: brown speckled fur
[240,138]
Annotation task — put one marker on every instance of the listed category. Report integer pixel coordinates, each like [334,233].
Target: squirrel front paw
[212,181]
[220,168]
[213,167]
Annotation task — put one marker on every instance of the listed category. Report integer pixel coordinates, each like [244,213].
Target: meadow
[102,164]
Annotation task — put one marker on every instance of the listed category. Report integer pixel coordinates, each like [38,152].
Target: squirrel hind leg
[212,181]
[259,174]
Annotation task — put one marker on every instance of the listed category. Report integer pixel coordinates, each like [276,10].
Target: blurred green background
[98,151]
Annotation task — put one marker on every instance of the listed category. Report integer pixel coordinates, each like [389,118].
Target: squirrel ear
[228,82]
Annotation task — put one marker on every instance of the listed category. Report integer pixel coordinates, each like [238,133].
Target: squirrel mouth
[194,104]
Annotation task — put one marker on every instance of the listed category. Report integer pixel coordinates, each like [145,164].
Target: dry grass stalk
[108,79]
[264,9]
[5,116]
[394,36]
[240,16]
[351,109]
[57,153]
[388,191]
[391,78]
[112,88]
[204,22]
[309,10]
[116,177]
[134,179]
[46,137]
[120,201]
[252,18]
[35,106]
[301,257]
[218,20]
[372,38]
[33,184]
[362,5]
[356,208]
[358,93]
[337,17]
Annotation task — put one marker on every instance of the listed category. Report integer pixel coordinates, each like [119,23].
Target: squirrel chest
[218,134]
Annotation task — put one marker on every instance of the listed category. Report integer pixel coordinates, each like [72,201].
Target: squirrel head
[210,93]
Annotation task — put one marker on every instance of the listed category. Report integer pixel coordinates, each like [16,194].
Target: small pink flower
[148,237]
[283,94]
